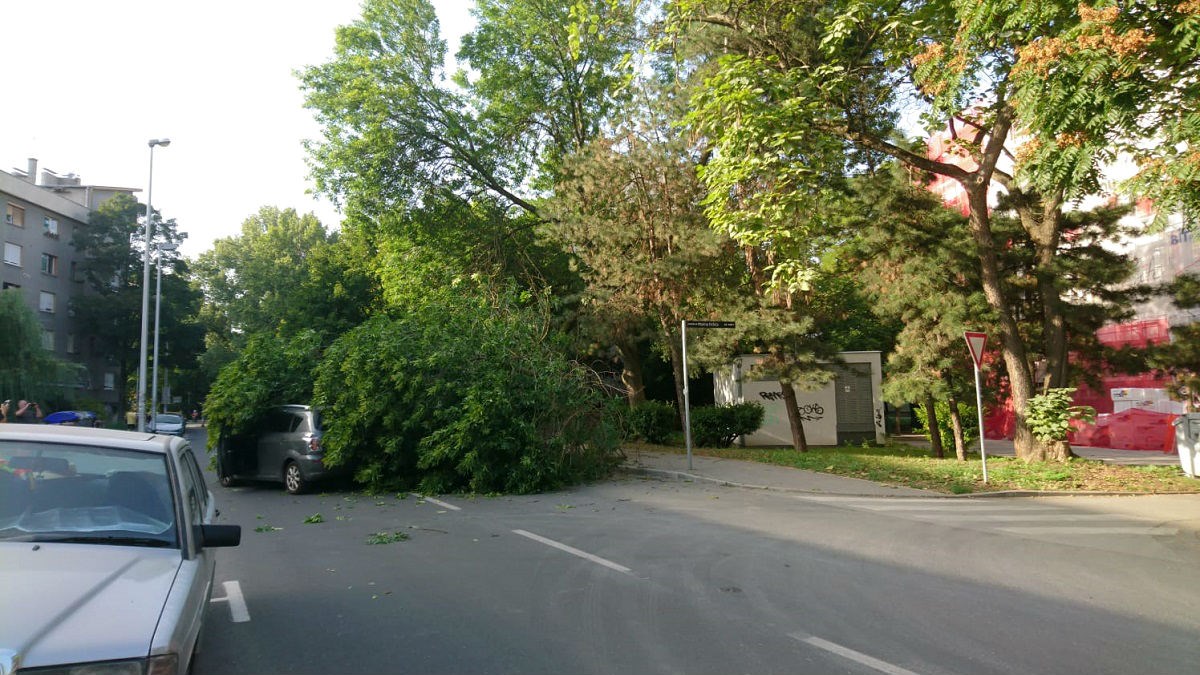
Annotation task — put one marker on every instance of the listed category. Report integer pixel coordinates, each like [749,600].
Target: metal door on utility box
[855,407]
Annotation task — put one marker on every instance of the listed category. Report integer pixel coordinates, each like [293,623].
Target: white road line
[1085,529]
[575,552]
[237,604]
[857,657]
[442,504]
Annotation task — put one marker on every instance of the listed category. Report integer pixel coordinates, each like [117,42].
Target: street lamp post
[141,397]
[157,307]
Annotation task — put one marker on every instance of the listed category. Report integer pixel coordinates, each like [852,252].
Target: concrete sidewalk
[756,475]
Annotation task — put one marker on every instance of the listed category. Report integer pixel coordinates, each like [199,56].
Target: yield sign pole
[975,343]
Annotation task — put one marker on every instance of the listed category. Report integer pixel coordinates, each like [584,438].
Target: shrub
[967,413]
[653,421]
[718,426]
[1050,414]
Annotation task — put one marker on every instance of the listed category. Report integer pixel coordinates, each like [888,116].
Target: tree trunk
[632,373]
[1058,451]
[960,441]
[793,411]
[1020,379]
[932,427]
[1041,217]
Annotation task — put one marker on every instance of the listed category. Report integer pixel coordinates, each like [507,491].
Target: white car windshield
[83,494]
[168,419]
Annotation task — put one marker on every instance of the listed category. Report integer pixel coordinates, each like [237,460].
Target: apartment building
[41,215]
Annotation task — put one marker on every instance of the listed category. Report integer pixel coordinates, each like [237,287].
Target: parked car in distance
[286,449]
[106,551]
[167,423]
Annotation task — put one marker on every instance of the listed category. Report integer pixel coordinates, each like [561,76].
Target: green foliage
[653,421]
[461,395]
[270,371]
[27,370]
[968,414]
[1050,414]
[718,426]
[283,273]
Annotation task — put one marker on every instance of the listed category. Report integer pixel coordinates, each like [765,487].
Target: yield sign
[975,342]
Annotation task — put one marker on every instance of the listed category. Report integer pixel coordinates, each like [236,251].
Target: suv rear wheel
[293,480]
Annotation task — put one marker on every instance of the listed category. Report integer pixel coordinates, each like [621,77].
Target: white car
[106,556]
[168,423]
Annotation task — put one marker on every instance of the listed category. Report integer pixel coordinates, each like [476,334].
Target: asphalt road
[640,576]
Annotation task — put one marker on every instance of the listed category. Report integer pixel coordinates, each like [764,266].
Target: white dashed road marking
[237,603]
[575,552]
[857,657]
[442,504]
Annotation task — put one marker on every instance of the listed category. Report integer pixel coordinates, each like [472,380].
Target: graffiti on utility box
[808,413]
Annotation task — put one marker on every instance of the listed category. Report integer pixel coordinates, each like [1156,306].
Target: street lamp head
[159,141]
[167,246]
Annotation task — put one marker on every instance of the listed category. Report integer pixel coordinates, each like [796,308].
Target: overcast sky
[86,84]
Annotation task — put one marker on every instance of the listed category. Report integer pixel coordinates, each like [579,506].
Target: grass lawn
[902,464]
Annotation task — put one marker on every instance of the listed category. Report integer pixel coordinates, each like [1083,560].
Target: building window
[1156,264]
[15,216]
[75,274]
[110,381]
[71,343]
[50,226]
[50,264]
[48,339]
[46,302]
[12,254]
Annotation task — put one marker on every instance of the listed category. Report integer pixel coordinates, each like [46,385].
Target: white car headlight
[155,665]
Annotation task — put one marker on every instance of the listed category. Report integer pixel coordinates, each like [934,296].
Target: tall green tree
[284,273]
[396,127]
[802,93]
[1121,80]
[627,208]
[112,249]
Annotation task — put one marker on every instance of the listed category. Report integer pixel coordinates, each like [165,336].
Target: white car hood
[72,603]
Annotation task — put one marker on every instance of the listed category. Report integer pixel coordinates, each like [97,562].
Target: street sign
[975,342]
[709,324]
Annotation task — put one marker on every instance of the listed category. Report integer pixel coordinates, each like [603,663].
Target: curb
[669,474]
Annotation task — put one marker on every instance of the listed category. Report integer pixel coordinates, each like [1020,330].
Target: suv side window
[297,421]
[278,421]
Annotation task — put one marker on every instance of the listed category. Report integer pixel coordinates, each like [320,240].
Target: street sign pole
[687,421]
[687,414]
[975,343]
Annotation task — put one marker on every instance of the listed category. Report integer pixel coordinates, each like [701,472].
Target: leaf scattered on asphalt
[267,528]
[378,538]
[314,518]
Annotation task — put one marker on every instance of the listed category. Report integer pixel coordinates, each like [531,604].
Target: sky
[86,84]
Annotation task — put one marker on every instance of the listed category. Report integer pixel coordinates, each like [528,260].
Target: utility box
[1187,442]
[848,409]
